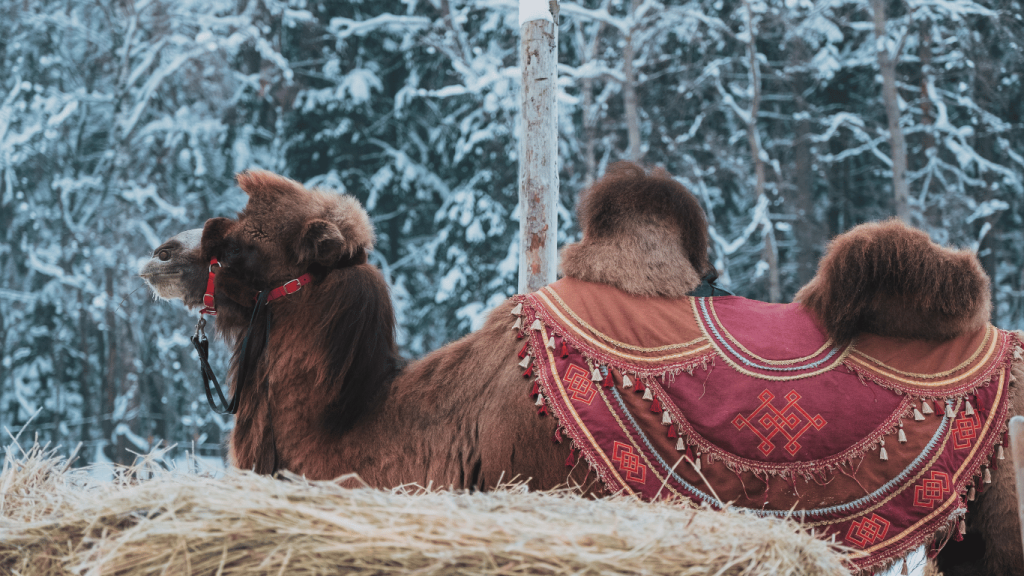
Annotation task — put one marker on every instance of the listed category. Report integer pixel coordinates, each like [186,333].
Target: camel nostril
[164,255]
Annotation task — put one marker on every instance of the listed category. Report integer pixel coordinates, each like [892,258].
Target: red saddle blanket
[727,400]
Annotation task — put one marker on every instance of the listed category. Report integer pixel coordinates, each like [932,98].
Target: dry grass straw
[56,520]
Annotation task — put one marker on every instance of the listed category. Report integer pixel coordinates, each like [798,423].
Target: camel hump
[889,279]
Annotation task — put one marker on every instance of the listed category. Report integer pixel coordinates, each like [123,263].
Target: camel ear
[321,243]
[264,185]
[214,232]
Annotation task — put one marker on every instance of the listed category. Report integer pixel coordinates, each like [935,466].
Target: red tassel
[529,372]
[639,386]
[689,452]
[993,463]
[565,350]
[536,388]
[656,406]
[609,382]
[558,436]
[570,461]
[520,335]
[672,431]
[543,410]
[522,353]
[940,409]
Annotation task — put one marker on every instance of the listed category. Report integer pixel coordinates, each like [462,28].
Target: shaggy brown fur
[329,395]
[889,279]
[643,233]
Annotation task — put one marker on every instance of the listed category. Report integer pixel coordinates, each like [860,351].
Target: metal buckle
[298,285]
[212,262]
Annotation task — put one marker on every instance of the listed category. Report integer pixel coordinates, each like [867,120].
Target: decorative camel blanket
[727,400]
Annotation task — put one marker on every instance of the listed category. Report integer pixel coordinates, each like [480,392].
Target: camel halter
[202,344]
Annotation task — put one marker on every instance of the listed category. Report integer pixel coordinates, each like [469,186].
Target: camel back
[878,444]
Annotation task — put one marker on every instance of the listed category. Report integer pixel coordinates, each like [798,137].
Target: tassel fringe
[926,408]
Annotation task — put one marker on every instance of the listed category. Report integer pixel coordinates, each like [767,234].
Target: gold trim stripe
[894,376]
[609,339]
[590,340]
[579,421]
[735,366]
[818,352]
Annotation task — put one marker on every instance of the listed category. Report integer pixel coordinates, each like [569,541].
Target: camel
[323,391]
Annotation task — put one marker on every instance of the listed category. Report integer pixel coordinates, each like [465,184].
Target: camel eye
[164,255]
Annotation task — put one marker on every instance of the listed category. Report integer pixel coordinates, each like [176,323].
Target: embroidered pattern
[911,494]
[629,462]
[865,532]
[965,430]
[577,381]
[931,490]
[789,421]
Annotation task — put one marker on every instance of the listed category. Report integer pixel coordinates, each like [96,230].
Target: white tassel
[696,463]
[537,325]
[926,407]
[627,382]
[970,494]
[680,444]
[518,309]
[518,325]
[596,375]
[648,395]
[988,476]
[968,409]
[963,527]
[526,362]
[540,400]
[999,452]
[882,454]
[902,436]
[949,409]
[551,342]
[666,419]
[918,417]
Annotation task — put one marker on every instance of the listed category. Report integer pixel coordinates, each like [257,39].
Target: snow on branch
[344,28]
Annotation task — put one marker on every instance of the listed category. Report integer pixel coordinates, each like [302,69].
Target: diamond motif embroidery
[578,383]
[931,490]
[868,531]
[965,430]
[791,422]
[629,462]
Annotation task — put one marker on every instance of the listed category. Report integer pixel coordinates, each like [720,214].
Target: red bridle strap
[208,297]
[289,287]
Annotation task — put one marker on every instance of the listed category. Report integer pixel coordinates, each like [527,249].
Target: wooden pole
[538,145]
[1017,460]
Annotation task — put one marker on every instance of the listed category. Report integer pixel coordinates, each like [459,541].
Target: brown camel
[323,390]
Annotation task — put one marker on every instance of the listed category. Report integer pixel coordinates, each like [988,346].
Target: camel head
[284,231]
[643,233]
[177,271]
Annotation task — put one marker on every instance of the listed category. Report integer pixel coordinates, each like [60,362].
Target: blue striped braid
[723,342]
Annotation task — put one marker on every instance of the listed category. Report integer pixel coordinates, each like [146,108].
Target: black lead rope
[202,346]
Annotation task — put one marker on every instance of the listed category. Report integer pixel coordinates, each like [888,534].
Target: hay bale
[55,520]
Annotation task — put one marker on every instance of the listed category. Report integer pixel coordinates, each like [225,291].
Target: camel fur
[889,279]
[330,394]
[644,234]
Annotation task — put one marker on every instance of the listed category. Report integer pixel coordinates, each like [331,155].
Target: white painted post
[538,144]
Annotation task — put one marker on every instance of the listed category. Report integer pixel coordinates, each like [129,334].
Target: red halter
[289,287]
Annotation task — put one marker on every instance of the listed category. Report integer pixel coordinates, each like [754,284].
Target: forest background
[123,123]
